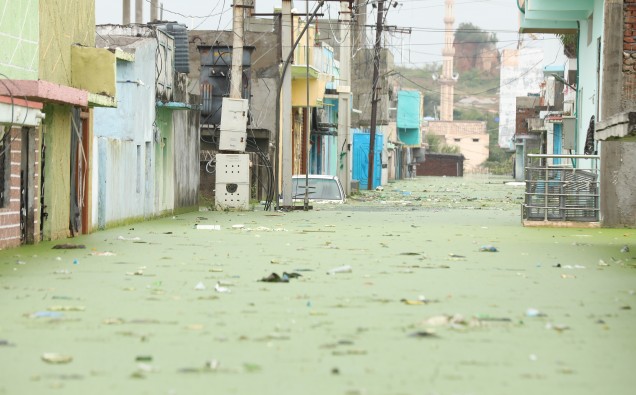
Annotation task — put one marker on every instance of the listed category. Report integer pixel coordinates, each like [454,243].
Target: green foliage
[437,145]
[569,42]
[468,33]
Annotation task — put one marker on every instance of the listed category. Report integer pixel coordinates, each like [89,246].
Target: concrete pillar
[236,79]
[286,109]
[344,100]
[126,12]
[139,11]
[154,10]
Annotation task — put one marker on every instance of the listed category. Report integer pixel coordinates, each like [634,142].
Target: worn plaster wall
[618,201]
[57,173]
[186,158]
[164,161]
[93,70]
[19,46]
[124,177]
[62,24]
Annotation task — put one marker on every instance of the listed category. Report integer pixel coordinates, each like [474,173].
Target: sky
[424,17]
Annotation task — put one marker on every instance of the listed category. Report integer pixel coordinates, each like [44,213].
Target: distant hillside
[474,89]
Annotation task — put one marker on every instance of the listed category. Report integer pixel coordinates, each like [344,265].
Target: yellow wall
[299,92]
[93,69]
[57,176]
[62,24]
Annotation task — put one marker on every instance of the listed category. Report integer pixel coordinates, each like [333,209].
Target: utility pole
[374,93]
[344,99]
[236,79]
[286,108]
[126,12]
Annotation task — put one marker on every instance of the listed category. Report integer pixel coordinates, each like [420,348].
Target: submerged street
[430,286]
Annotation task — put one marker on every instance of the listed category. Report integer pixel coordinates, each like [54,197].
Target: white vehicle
[322,189]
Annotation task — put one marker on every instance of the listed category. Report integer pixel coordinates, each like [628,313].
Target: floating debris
[68,246]
[220,289]
[340,269]
[66,308]
[200,286]
[55,358]
[488,248]
[105,253]
[426,333]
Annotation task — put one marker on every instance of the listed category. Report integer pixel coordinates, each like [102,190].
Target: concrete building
[148,147]
[521,75]
[55,68]
[606,97]
[471,137]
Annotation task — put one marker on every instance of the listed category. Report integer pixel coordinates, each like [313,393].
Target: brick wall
[10,213]
[10,234]
[629,52]
[441,165]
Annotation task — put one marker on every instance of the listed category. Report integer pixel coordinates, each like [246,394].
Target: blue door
[360,169]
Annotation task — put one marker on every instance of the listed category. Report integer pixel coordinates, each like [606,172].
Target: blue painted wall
[361,144]
[124,180]
[409,115]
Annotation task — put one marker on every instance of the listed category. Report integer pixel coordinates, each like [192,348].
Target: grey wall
[265,66]
[186,148]
[618,201]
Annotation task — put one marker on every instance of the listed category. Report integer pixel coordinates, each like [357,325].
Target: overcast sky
[425,17]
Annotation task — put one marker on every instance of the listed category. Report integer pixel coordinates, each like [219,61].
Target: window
[475,140]
[457,140]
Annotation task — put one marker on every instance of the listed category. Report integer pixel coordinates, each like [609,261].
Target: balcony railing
[561,188]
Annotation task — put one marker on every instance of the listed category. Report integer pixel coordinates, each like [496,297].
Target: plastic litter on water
[200,286]
[341,269]
[488,248]
[207,227]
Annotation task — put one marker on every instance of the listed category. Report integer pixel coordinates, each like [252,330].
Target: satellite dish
[455,76]
[435,76]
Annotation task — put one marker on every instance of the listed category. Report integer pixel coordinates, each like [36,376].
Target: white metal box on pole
[232,196]
[234,115]
[232,140]
[232,189]
[232,168]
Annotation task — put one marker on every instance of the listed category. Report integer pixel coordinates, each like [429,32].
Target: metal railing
[562,188]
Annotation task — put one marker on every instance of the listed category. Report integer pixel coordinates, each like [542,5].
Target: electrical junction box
[234,114]
[232,141]
[232,168]
[232,196]
[569,132]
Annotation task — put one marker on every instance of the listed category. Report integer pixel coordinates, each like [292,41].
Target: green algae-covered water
[421,311]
